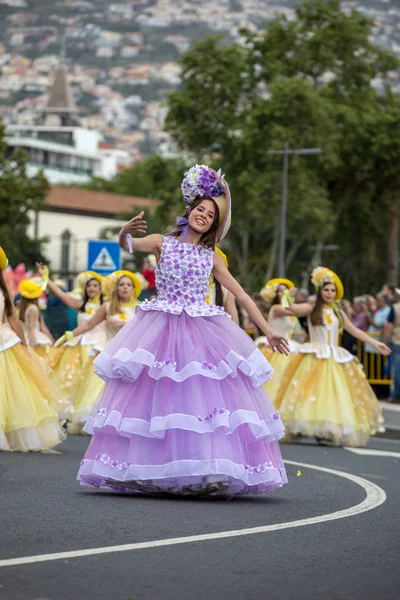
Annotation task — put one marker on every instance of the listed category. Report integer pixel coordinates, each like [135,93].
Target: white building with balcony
[66,152]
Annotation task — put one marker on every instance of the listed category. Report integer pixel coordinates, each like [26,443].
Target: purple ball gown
[184,409]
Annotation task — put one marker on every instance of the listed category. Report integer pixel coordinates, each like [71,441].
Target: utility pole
[286,152]
[318,249]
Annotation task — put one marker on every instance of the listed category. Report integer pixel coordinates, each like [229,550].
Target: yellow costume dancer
[123,288]
[28,420]
[75,353]
[324,392]
[36,332]
[275,293]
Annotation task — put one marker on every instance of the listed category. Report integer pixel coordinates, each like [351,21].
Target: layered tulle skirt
[279,363]
[183,411]
[28,403]
[324,393]
[50,355]
[87,392]
[70,366]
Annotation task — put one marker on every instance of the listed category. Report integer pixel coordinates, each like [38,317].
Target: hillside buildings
[60,146]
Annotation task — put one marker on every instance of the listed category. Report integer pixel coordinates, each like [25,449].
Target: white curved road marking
[375,496]
[369,452]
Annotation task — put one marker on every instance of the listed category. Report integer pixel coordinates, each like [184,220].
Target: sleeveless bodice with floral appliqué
[182,276]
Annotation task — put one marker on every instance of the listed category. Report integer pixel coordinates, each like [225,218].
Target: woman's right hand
[136,225]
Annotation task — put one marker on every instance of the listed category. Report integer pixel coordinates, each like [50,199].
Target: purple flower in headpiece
[200,181]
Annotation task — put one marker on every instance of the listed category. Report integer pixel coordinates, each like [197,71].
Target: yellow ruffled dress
[279,362]
[324,392]
[76,354]
[41,344]
[28,417]
[90,385]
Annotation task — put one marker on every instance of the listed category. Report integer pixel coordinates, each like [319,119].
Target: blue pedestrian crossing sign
[104,257]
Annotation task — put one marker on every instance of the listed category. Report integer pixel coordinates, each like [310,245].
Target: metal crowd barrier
[375,365]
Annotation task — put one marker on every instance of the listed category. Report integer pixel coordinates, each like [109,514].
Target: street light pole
[282,240]
[287,151]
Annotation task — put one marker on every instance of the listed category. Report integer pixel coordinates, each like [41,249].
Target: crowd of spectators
[378,315]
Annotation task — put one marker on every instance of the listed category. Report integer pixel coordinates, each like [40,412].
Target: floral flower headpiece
[86,276]
[322,275]
[268,292]
[202,181]
[110,282]
[270,289]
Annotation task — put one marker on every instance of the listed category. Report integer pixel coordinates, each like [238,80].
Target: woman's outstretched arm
[222,274]
[149,244]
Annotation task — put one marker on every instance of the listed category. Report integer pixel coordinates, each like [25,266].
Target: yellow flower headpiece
[143,282]
[281,281]
[30,289]
[222,255]
[268,292]
[86,276]
[3,259]
[270,289]
[322,275]
[111,281]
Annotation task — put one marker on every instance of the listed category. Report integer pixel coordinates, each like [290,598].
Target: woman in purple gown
[184,409]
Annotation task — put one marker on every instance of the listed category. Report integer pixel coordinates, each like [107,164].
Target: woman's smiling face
[202,216]
[328,293]
[93,288]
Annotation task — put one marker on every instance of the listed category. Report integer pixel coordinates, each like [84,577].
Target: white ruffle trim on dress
[127,366]
[8,338]
[196,309]
[32,439]
[180,473]
[271,430]
[339,354]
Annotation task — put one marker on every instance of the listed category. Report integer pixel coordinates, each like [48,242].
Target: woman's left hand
[383,349]
[278,342]
[43,270]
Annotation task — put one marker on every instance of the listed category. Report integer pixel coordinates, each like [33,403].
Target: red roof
[77,200]
[105,146]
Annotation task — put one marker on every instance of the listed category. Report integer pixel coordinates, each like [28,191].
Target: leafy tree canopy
[20,197]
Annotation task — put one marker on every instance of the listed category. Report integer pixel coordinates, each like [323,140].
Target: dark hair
[262,304]
[8,305]
[316,316]
[209,238]
[24,305]
[219,294]
[276,299]
[391,287]
[86,297]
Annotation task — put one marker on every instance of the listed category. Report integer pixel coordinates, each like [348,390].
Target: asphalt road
[357,556]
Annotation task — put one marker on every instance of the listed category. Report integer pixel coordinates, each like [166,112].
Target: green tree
[20,196]
[156,178]
[365,193]
[307,81]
